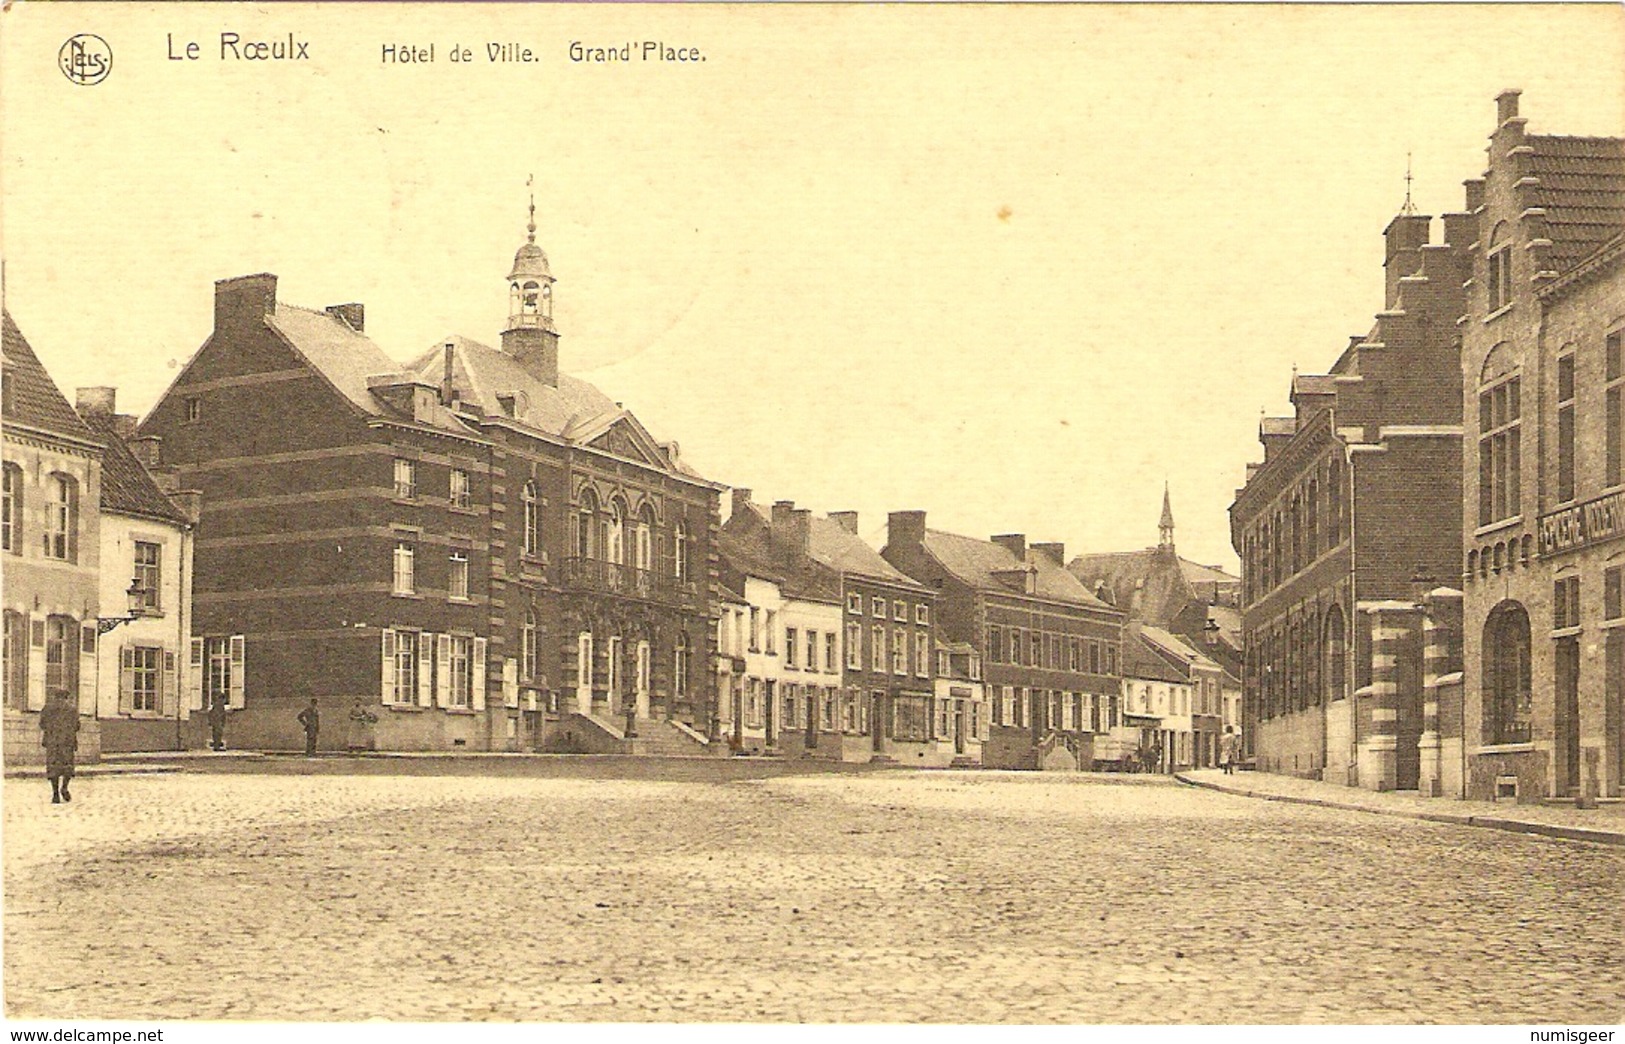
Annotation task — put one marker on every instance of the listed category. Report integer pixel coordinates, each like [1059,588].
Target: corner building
[1353,512]
[1543,627]
[488,553]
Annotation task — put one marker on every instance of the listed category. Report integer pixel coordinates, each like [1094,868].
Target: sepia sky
[1016,266]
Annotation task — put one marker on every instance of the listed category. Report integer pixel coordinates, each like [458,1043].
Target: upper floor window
[899,612]
[460,491]
[1565,427]
[1499,450]
[61,516]
[405,582]
[922,615]
[922,655]
[899,651]
[148,574]
[811,661]
[614,534]
[643,542]
[1565,602]
[1500,270]
[877,608]
[679,547]
[829,651]
[530,647]
[586,524]
[406,478]
[789,646]
[877,651]
[854,603]
[1612,589]
[854,646]
[530,533]
[194,409]
[457,584]
[11,510]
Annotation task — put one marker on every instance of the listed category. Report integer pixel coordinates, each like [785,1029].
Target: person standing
[362,720]
[59,728]
[217,724]
[311,719]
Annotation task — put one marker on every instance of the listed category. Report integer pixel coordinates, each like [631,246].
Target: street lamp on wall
[135,598]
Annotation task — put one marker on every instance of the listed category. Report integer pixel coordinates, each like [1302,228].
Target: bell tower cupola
[530,336]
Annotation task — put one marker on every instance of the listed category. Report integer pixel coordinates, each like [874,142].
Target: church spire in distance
[1165,527]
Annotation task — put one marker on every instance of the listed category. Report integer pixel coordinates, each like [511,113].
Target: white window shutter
[36,664]
[442,669]
[236,672]
[87,668]
[478,696]
[194,675]
[169,693]
[126,680]
[425,668]
[386,673]
[510,682]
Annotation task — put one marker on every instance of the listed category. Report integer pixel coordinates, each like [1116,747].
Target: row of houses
[492,555]
[1432,547]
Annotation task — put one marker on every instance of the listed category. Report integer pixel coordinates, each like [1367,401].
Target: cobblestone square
[838,897]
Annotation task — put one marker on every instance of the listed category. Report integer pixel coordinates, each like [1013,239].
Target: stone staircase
[658,737]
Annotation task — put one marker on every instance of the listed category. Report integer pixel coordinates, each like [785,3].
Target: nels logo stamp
[85,59]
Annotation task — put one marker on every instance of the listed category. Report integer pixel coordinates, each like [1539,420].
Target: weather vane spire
[1409,207]
[530,183]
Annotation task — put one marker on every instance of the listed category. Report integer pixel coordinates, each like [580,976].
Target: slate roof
[1178,647]
[33,399]
[1151,584]
[747,553]
[346,358]
[1198,573]
[1582,188]
[127,487]
[977,561]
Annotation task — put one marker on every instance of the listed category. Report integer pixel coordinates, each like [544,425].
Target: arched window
[547,299]
[1295,513]
[1507,700]
[1336,656]
[11,510]
[1499,282]
[586,525]
[1311,520]
[643,549]
[679,541]
[530,299]
[61,517]
[530,649]
[1334,501]
[615,533]
[531,535]
[1500,429]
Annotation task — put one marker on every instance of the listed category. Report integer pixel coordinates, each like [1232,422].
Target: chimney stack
[790,535]
[148,449]
[1056,552]
[1015,543]
[353,315]
[244,299]
[447,393]
[740,502]
[1506,105]
[847,520]
[905,529]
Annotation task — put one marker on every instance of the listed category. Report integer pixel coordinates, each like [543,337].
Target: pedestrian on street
[59,728]
[311,719]
[361,722]
[1227,755]
[217,724]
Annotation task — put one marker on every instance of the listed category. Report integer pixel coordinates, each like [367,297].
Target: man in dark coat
[217,723]
[311,719]
[59,728]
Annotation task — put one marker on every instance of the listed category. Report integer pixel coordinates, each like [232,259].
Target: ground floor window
[142,675]
[1508,702]
[911,718]
[15,651]
[460,671]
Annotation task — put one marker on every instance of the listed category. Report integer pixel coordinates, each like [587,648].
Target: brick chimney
[244,299]
[96,403]
[1055,552]
[148,449]
[847,520]
[1015,543]
[448,393]
[740,502]
[1506,105]
[905,529]
[790,534]
[353,315]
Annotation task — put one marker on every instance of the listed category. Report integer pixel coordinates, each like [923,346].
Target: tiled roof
[1142,662]
[1582,190]
[32,398]
[844,551]
[481,373]
[1150,585]
[1179,647]
[747,554]
[1197,573]
[346,358]
[977,561]
[127,488]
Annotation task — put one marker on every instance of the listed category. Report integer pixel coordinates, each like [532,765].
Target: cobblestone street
[887,896]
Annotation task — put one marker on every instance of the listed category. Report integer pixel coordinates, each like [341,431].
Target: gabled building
[886,709]
[1539,711]
[1202,725]
[50,537]
[147,689]
[1153,732]
[1353,508]
[494,555]
[1049,649]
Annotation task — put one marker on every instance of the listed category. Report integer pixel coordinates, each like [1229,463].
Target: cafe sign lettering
[1583,524]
